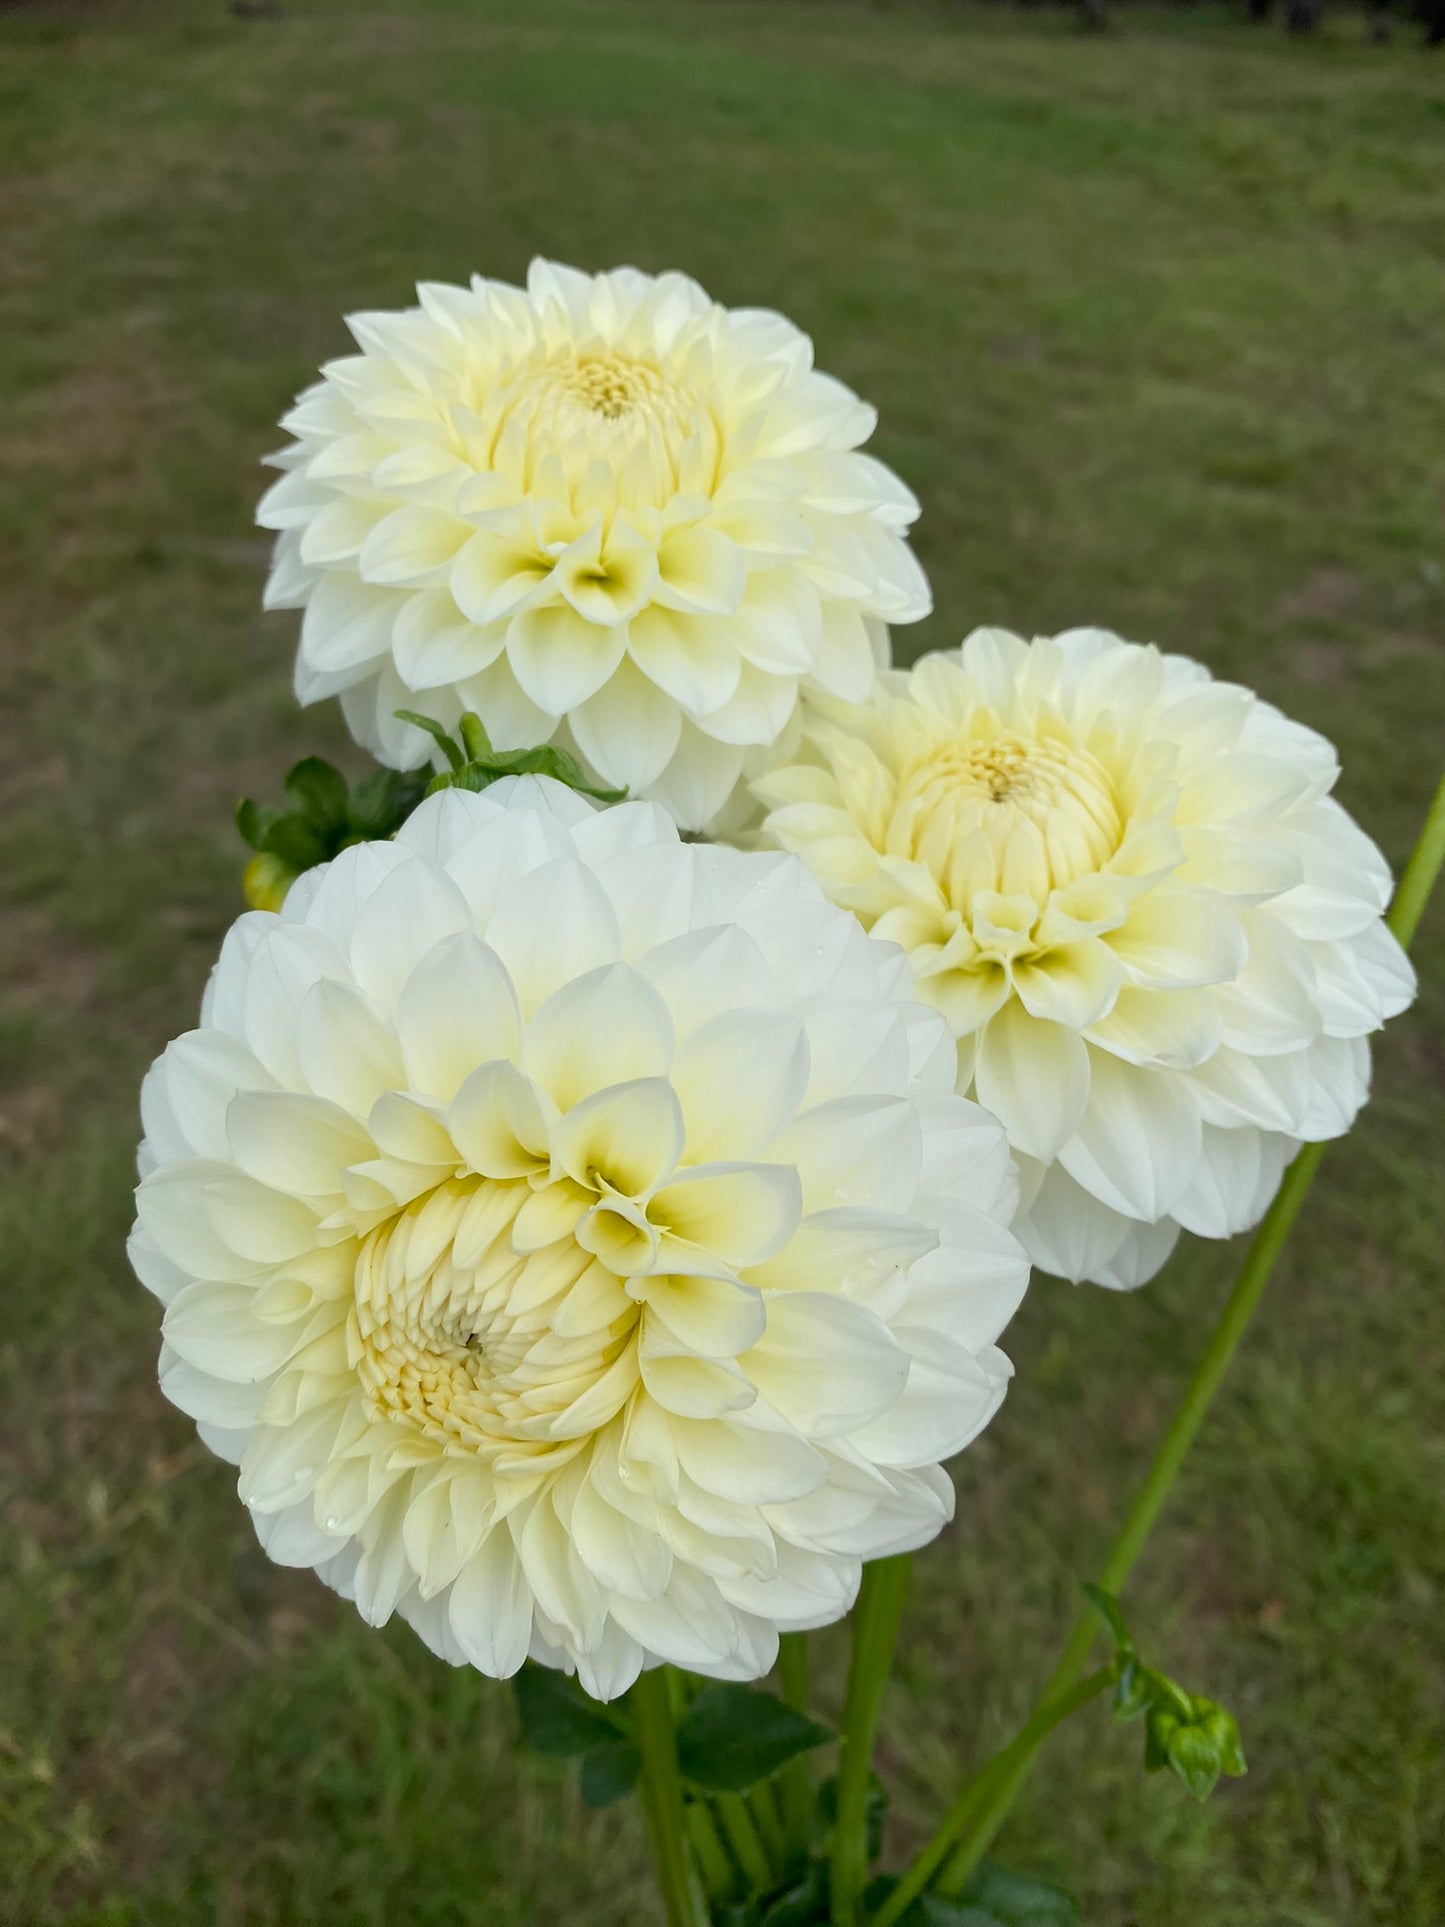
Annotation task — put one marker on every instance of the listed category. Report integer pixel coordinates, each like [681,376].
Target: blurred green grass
[1153,324]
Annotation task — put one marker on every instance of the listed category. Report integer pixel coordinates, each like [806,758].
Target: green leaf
[381,802]
[557,1716]
[317,792]
[551,761]
[438,734]
[1135,1688]
[1019,1900]
[1112,1614]
[994,1897]
[803,1905]
[731,1737]
[294,840]
[609,1772]
[475,740]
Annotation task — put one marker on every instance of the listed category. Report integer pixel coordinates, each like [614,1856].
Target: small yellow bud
[266,880]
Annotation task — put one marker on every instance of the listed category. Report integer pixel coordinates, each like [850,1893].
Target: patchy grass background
[1154,326]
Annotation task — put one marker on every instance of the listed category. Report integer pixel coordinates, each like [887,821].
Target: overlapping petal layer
[604,505]
[1154,933]
[575,1238]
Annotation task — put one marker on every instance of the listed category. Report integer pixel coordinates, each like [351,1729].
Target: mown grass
[1153,326]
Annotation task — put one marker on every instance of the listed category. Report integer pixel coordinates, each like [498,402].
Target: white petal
[856,1150]
[551,926]
[607,1026]
[743,1212]
[1034,1077]
[629,1134]
[458,1010]
[827,1365]
[629,729]
[560,658]
[1137,1141]
[739,1079]
[489,1607]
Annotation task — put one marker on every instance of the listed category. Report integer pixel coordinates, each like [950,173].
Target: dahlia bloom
[575,1238]
[604,505]
[1153,932]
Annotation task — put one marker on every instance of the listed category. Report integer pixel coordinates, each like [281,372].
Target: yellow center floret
[477,1347]
[966,784]
[600,407]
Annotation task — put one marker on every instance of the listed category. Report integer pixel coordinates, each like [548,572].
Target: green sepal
[1198,1741]
[1223,1729]
[731,1737]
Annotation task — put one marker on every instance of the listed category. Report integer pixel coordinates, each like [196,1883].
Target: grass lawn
[1153,323]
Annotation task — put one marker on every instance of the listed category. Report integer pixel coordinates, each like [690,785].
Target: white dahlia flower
[1154,933]
[605,505]
[575,1238]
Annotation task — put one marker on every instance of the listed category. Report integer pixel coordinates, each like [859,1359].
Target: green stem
[712,1855]
[745,1841]
[1418,878]
[1048,1714]
[769,1821]
[662,1788]
[875,1627]
[796,1779]
[985,1802]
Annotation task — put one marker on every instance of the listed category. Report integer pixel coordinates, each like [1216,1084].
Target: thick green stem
[745,1840]
[985,1802]
[1048,1714]
[662,1791]
[875,1627]
[712,1855]
[797,1776]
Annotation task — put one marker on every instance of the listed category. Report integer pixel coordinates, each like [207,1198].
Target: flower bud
[265,881]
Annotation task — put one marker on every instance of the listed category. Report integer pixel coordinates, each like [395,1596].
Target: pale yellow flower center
[598,406]
[966,784]
[609,384]
[469,1343]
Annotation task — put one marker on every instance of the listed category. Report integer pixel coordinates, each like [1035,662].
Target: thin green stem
[764,1803]
[875,1627]
[796,1780]
[662,1788]
[1045,1717]
[1417,879]
[984,1804]
[745,1840]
